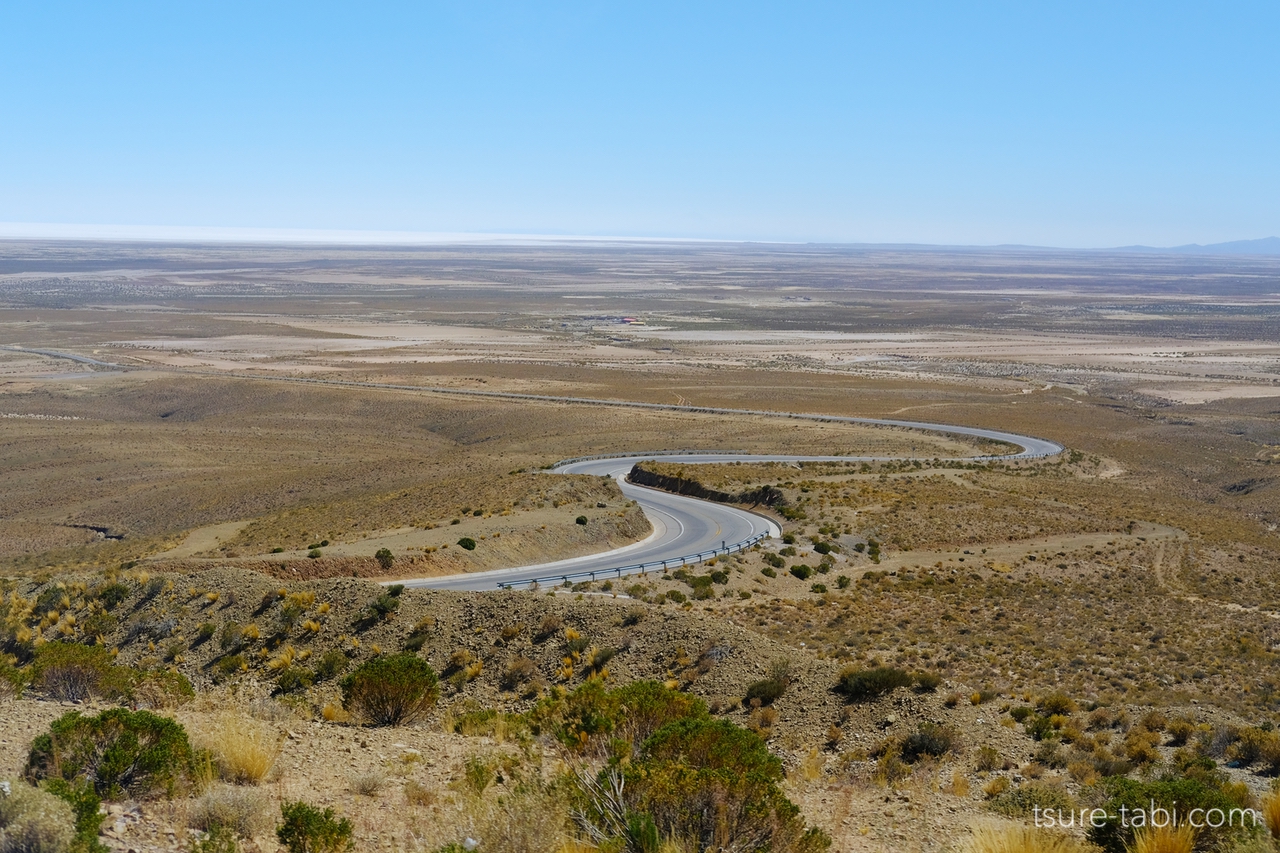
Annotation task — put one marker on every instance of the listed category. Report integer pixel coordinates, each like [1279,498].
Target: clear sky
[1068,124]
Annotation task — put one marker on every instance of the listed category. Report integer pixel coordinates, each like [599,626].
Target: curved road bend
[684,526]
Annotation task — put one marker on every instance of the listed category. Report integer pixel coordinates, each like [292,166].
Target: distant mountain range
[1265,246]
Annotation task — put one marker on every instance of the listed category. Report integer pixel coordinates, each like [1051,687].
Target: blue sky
[1054,124]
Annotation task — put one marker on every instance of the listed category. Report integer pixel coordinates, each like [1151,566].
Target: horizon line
[77,232]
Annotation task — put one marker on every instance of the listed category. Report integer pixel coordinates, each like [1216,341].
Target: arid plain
[1112,613]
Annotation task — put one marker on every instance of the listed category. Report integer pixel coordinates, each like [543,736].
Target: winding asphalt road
[687,530]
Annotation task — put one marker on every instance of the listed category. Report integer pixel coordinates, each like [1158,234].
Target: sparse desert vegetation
[934,652]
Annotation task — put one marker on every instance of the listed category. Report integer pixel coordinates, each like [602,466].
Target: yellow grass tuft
[335,713]
[1164,839]
[1015,838]
[997,786]
[243,750]
[811,765]
[1270,809]
[282,660]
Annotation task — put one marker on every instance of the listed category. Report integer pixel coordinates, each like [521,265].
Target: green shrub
[709,784]
[1168,792]
[1022,801]
[111,594]
[988,759]
[383,606]
[71,672]
[631,712]
[842,582]
[582,519]
[307,829]
[294,678]
[230,636]
[467,543]
[12,680]
[1049,753]
[818,588]
[646,706]
[85,805]
[774,560]
[228,666]
[823,548]
[159,688]
[123,753]
[1039,728]
[677,596]
[385,558]
[765,691]
[927,682]
[1021,713]
[930,740]
[205,633]
[802,572]
[34,821]
[391,690]
[865,685]
[332,663]
[99,624]
[1057,703]
[768,572]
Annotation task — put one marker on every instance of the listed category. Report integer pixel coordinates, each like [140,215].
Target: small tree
[392,690]
[385,559]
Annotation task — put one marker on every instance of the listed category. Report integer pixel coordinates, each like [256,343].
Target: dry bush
[761,721]
[988,759]
[551,624]
[519,670]
[1013,838]
[33,820]
[1140,747]
[1180,730]
[1083,772]
[1164,839]
[417,794]
[244,811]
[995,787]
[529,819]
[367,784]
[244,750]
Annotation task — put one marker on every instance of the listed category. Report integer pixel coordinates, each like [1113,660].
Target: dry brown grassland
[1113,611]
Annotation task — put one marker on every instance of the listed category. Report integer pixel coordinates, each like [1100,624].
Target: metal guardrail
[637,568]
